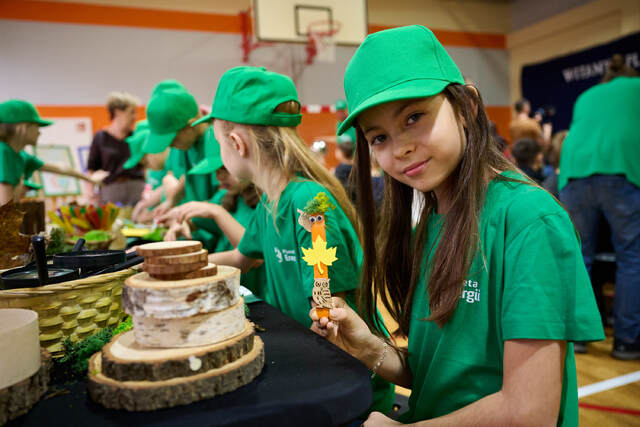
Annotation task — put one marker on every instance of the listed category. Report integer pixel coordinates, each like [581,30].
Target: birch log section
[168,248]
[124,359]
[144,296]
[152,395]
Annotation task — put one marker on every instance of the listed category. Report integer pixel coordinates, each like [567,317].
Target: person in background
[550,183]
[109,152]
[525,127]
[344,156]
[528,156]
[600,179]
[20,126]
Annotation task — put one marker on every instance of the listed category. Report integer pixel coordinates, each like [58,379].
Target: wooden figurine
[312,218]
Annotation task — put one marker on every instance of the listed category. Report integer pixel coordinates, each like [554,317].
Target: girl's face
[419,142]
[231,153]
[227,181]
[32,132]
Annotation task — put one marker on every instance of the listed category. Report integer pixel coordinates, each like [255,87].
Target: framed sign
[54,184]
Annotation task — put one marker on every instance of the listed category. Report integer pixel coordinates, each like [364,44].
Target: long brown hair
[393,255]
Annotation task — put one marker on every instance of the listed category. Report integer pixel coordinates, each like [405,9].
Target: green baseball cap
[167,84]
[168,111]
[136,141]
[19,111]
[420,67]
[250,95]
[212,161]
[340,104]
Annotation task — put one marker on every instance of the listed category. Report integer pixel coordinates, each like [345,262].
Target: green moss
[318,204]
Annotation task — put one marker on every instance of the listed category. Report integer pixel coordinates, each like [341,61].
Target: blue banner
[556,84]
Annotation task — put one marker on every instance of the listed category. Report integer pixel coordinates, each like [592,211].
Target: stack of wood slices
[190,338]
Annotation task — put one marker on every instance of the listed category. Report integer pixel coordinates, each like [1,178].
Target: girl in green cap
[20,126]
[490,287]
[256,113]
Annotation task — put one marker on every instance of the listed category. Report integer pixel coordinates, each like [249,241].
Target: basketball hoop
[322,44]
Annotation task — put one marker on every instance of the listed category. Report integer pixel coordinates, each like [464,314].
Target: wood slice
[153,269]
[199,330]
[123,359]
[18,332]
[145,296]
[169,248]
[210,270]
[190,258]
[17,399]
[152,395]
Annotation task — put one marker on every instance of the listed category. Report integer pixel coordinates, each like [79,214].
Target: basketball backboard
[291,20]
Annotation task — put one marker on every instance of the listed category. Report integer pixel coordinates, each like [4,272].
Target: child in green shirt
[20,126]
[256,113]
[490,288]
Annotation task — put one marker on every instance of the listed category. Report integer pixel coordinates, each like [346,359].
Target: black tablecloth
[306,381]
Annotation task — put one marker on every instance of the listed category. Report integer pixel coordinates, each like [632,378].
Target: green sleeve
[547,293]
[11,165]
[31,164]
[251,243]
[176,162]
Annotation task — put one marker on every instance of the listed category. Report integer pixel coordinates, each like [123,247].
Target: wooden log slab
[210,270]
[152,395]
[17,399]
[143,295]
[123,359]
[199,330]
[19,333]
[189,258]
[178,247]
[154,269]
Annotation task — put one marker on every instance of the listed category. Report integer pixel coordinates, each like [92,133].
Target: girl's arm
[235,259]
[67,171]
[349,332]
[530,394]
[6,193]
[154,198]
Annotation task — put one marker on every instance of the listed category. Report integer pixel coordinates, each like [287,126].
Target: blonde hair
[282,149]
[120,101]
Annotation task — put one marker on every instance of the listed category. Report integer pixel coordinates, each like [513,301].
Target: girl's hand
[344,328]
[193,209]
[178,229]
[377,419]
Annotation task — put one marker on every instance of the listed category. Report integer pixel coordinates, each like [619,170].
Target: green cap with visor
[250,95]
[19,111]
[419,67]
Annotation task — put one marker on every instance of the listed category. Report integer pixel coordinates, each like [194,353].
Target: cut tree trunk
[149,396]
[154,269]
[193,331]
[17,399]
[210,270]
[123,359]
[189,258]
[146,296]
[168,248]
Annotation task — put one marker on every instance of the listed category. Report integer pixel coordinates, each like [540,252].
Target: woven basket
[75,309]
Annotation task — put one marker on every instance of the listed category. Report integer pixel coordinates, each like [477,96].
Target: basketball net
[322,43]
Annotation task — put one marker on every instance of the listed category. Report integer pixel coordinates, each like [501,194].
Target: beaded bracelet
[384,353]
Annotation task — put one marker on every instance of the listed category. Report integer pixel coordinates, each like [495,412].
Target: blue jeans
[616,200]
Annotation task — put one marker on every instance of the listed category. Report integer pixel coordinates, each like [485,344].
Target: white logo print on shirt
[288,255]
[471,292]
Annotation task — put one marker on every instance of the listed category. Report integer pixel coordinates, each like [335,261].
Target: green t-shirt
[198,187]
[253,278]
[154,178]
[31,164]
[604,137]
[12,166]
[289,280]
[531,284]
